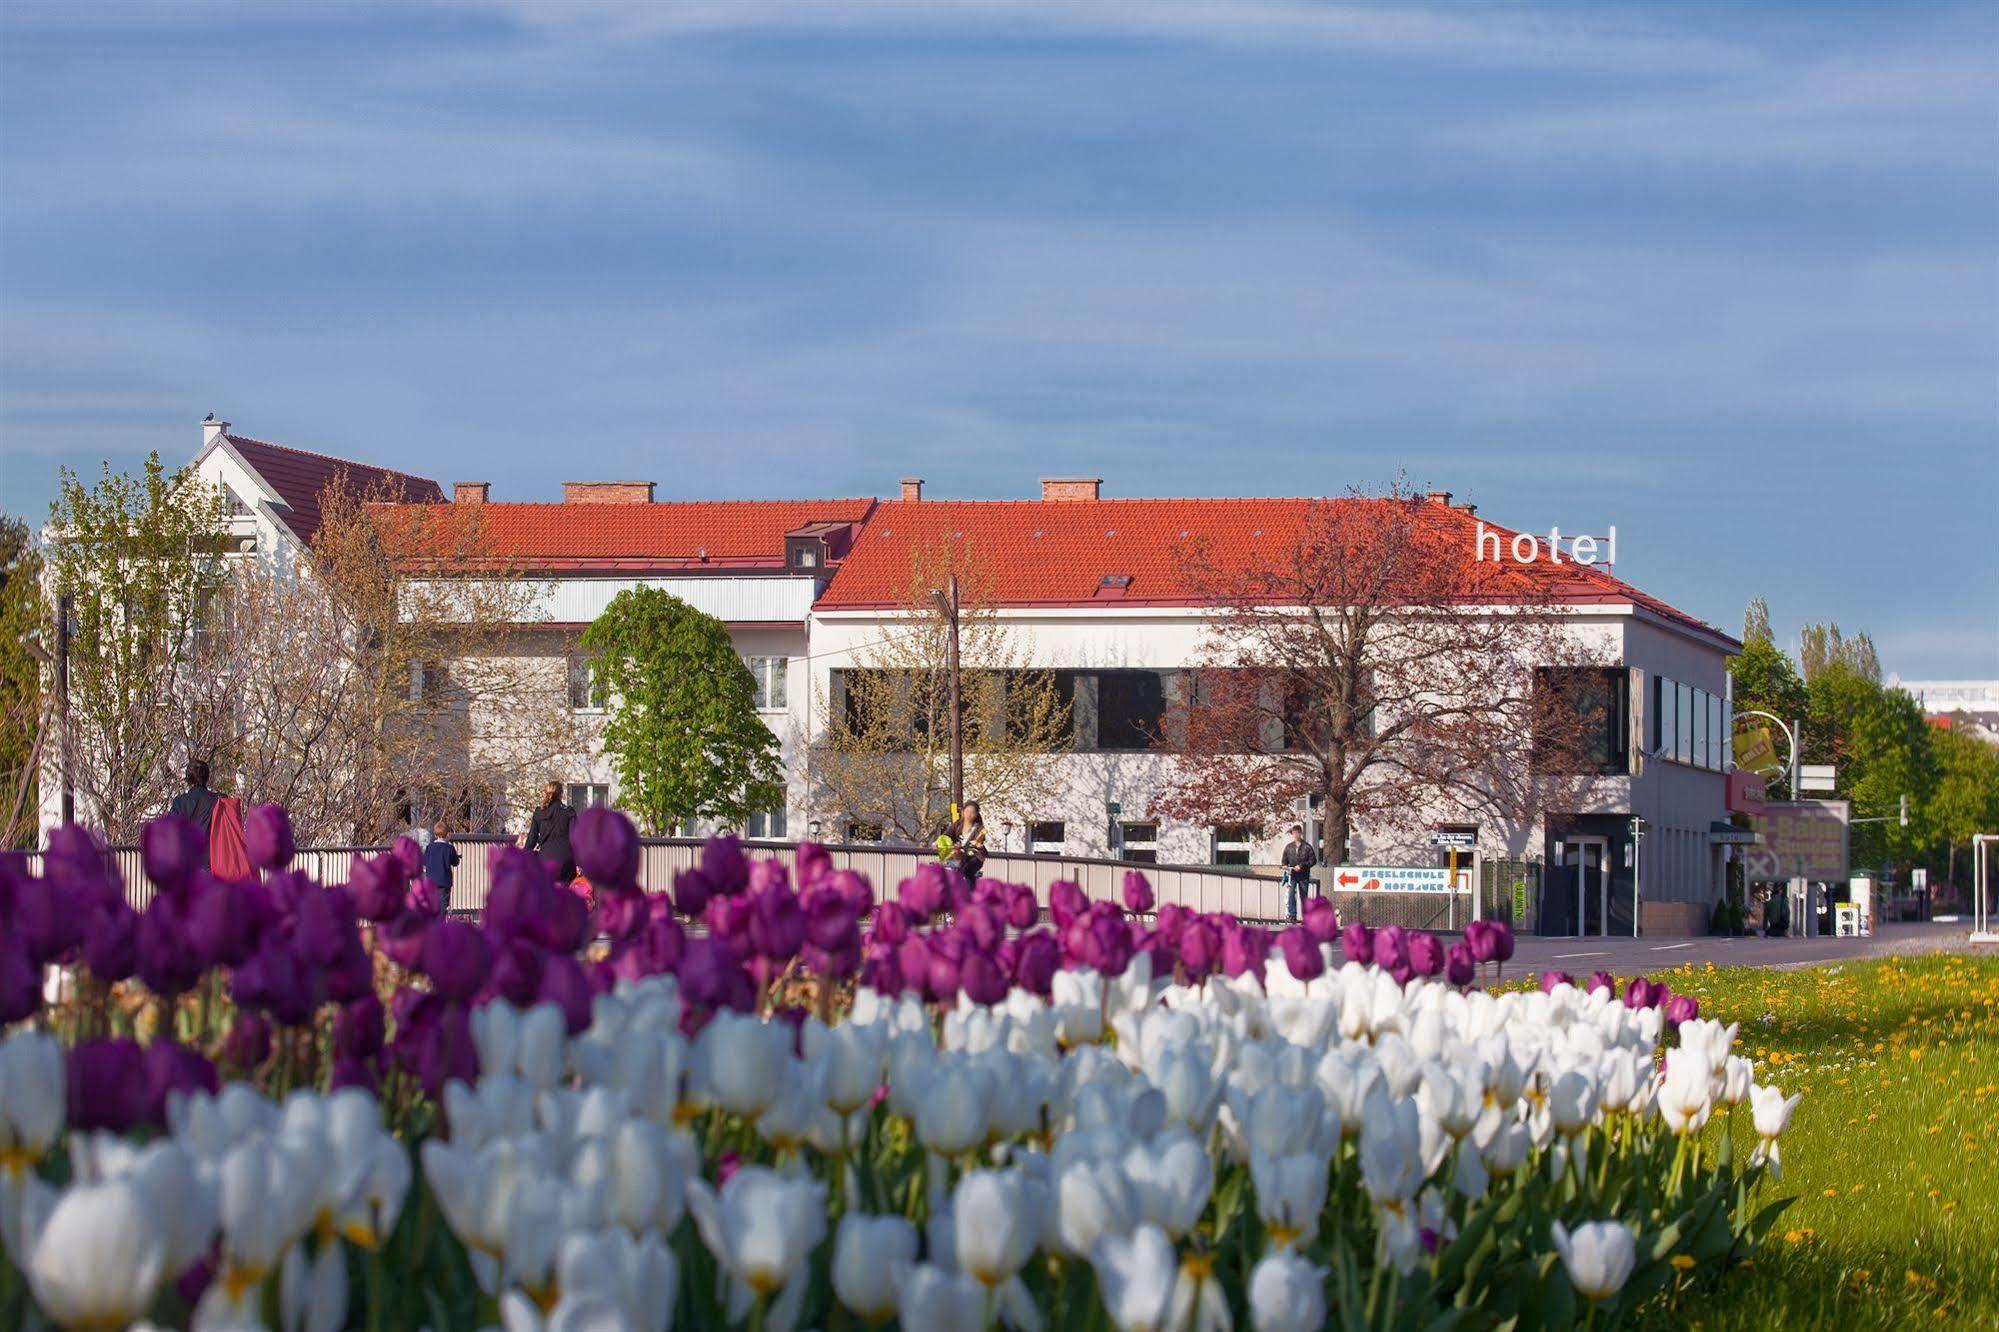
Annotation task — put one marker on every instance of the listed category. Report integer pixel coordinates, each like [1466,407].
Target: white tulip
[1171,1179]
[1453,1099]
[762,1228]
[952,1105]
[1598,1256]
[1391,1149]
[270,1191]
[1136,1277]
[501,1106]
[930,1297]
[1735,1080]
[1199,1304]
[869,1254]
[572,1313]
[1284,1121]
[1186,1078]
[1287,1294]
[1090,1199]
[312,1292]
[1685,1092]
[99,1256]
[1772,1113]
[740,1062]
[33,1097]
[1078,1006]
[1345,1077]
[1573,1101]
[994,1232]
[638,1277]
[855,1057]
[1290,1194]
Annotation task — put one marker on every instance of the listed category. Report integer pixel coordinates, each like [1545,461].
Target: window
[582,795]
[1130,707]
[587,693]
[1684,748]
[1579,720]
[806,558]
[766,825]
[1666,729]
[864,832]
[427,680]
[1232,845]
[1138,842]
[1047,839]
[771,675]
[234,504]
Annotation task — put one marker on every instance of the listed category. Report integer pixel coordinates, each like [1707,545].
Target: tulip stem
[375,1289]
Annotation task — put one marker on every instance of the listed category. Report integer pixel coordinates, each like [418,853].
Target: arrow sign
[1393,878]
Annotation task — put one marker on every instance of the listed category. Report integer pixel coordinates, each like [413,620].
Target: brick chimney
[912,489]
[212,429]
[470,492]
[607,492]
[1070,487]
[1439,496]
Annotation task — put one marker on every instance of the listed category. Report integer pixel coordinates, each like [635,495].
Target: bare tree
[1367,658]
[882,760]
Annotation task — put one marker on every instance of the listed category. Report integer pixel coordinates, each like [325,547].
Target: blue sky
[1724,276]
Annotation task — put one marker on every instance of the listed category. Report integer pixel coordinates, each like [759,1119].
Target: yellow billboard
[1756,751]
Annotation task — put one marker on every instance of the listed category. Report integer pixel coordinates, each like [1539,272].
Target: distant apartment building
[1972,705]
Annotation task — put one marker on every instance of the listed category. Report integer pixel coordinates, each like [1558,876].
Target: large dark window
[1579,720]
[1131,707]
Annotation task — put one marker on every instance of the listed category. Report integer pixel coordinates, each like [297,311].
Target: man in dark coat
[1298,860]
[197,803]
[548,832]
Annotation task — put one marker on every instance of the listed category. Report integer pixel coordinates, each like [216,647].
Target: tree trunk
[1336,829]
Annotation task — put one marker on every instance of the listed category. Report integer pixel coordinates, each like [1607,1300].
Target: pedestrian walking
[1298,860]
[548,832]
[197,803]
[440,860]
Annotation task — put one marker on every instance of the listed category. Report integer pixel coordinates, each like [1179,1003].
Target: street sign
[1816,776]
[1919,879]
[1463,841]
[1392,879]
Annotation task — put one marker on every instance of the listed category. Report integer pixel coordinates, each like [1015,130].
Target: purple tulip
[20,982]
[891,924]
[830,925]
[1301,953]
[171,1069]
[360,1028]
[223,920]
[941,979]
[516,973]
[522,885]
[1480,939]
[248,1043]
[662,941]
[621,911]
[985,923]
[728,919]
[912,960]
[813,862]
[375,883]
[565,984]
[192,1284]
[1502,941]
[981,979]
[1357,943]
[1022,910]
[1391,948]
[923,893]
[691,891]
[275,980]
[1244,950]
[776,924]
[711,976]
[1322,920]
[1602,980]
[401,938]
[171,849]
[1169,920]
[879,971]
[1138,897]
[606,846]
[325,925]
[457,959]
[446,1052]
[408,855]
[723,861]
[1682,1008]
[1645,994]
[166,958]
[1460,966]
[1426,953]
[1035,960]
[111,941]
[1200,949]
[107,1086]
[424,898]
[267,837]
[858,892]
[1551,979]
[353,1071]
[1066,901]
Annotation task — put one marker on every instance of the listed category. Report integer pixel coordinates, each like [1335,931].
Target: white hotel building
[1089,585]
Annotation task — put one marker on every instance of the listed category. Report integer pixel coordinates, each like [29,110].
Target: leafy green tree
[1823,647]
[137,557]
[1764,676]
[1881,746]
[21,703]
[682,727]
[1965,798]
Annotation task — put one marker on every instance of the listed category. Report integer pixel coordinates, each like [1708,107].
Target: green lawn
[1893,1155]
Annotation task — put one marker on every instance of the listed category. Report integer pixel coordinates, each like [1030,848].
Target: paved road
[1626,957]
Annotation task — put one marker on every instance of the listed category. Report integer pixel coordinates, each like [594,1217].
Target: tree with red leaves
[1369,658]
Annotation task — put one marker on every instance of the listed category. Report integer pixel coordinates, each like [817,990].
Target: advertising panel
[1801,839]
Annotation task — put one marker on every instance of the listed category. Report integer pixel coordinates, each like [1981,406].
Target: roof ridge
[620,506]
[327,457]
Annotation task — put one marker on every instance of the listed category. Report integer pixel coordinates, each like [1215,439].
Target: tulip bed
[763,1099]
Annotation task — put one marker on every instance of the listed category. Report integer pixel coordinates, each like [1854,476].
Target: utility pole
[947,606]
[62,706]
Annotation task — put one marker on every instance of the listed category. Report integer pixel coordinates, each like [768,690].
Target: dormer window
[234,503]
[805,552]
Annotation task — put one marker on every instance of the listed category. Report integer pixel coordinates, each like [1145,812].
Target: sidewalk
[1628,957]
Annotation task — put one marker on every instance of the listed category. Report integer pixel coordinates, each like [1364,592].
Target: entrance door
[1589,857]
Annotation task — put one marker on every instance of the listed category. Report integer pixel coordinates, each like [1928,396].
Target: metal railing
[1248,895]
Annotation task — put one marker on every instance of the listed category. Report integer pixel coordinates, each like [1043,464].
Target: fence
[1197,887]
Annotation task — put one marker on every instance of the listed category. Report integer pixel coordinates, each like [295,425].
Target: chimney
[1467,506]
[470,492]
[1070,487]
[912,489]
[607,492]
[212,429]
[1439,497]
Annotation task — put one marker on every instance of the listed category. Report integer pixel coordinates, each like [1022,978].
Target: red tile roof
[301,478]
[630,537]
[1059,552]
